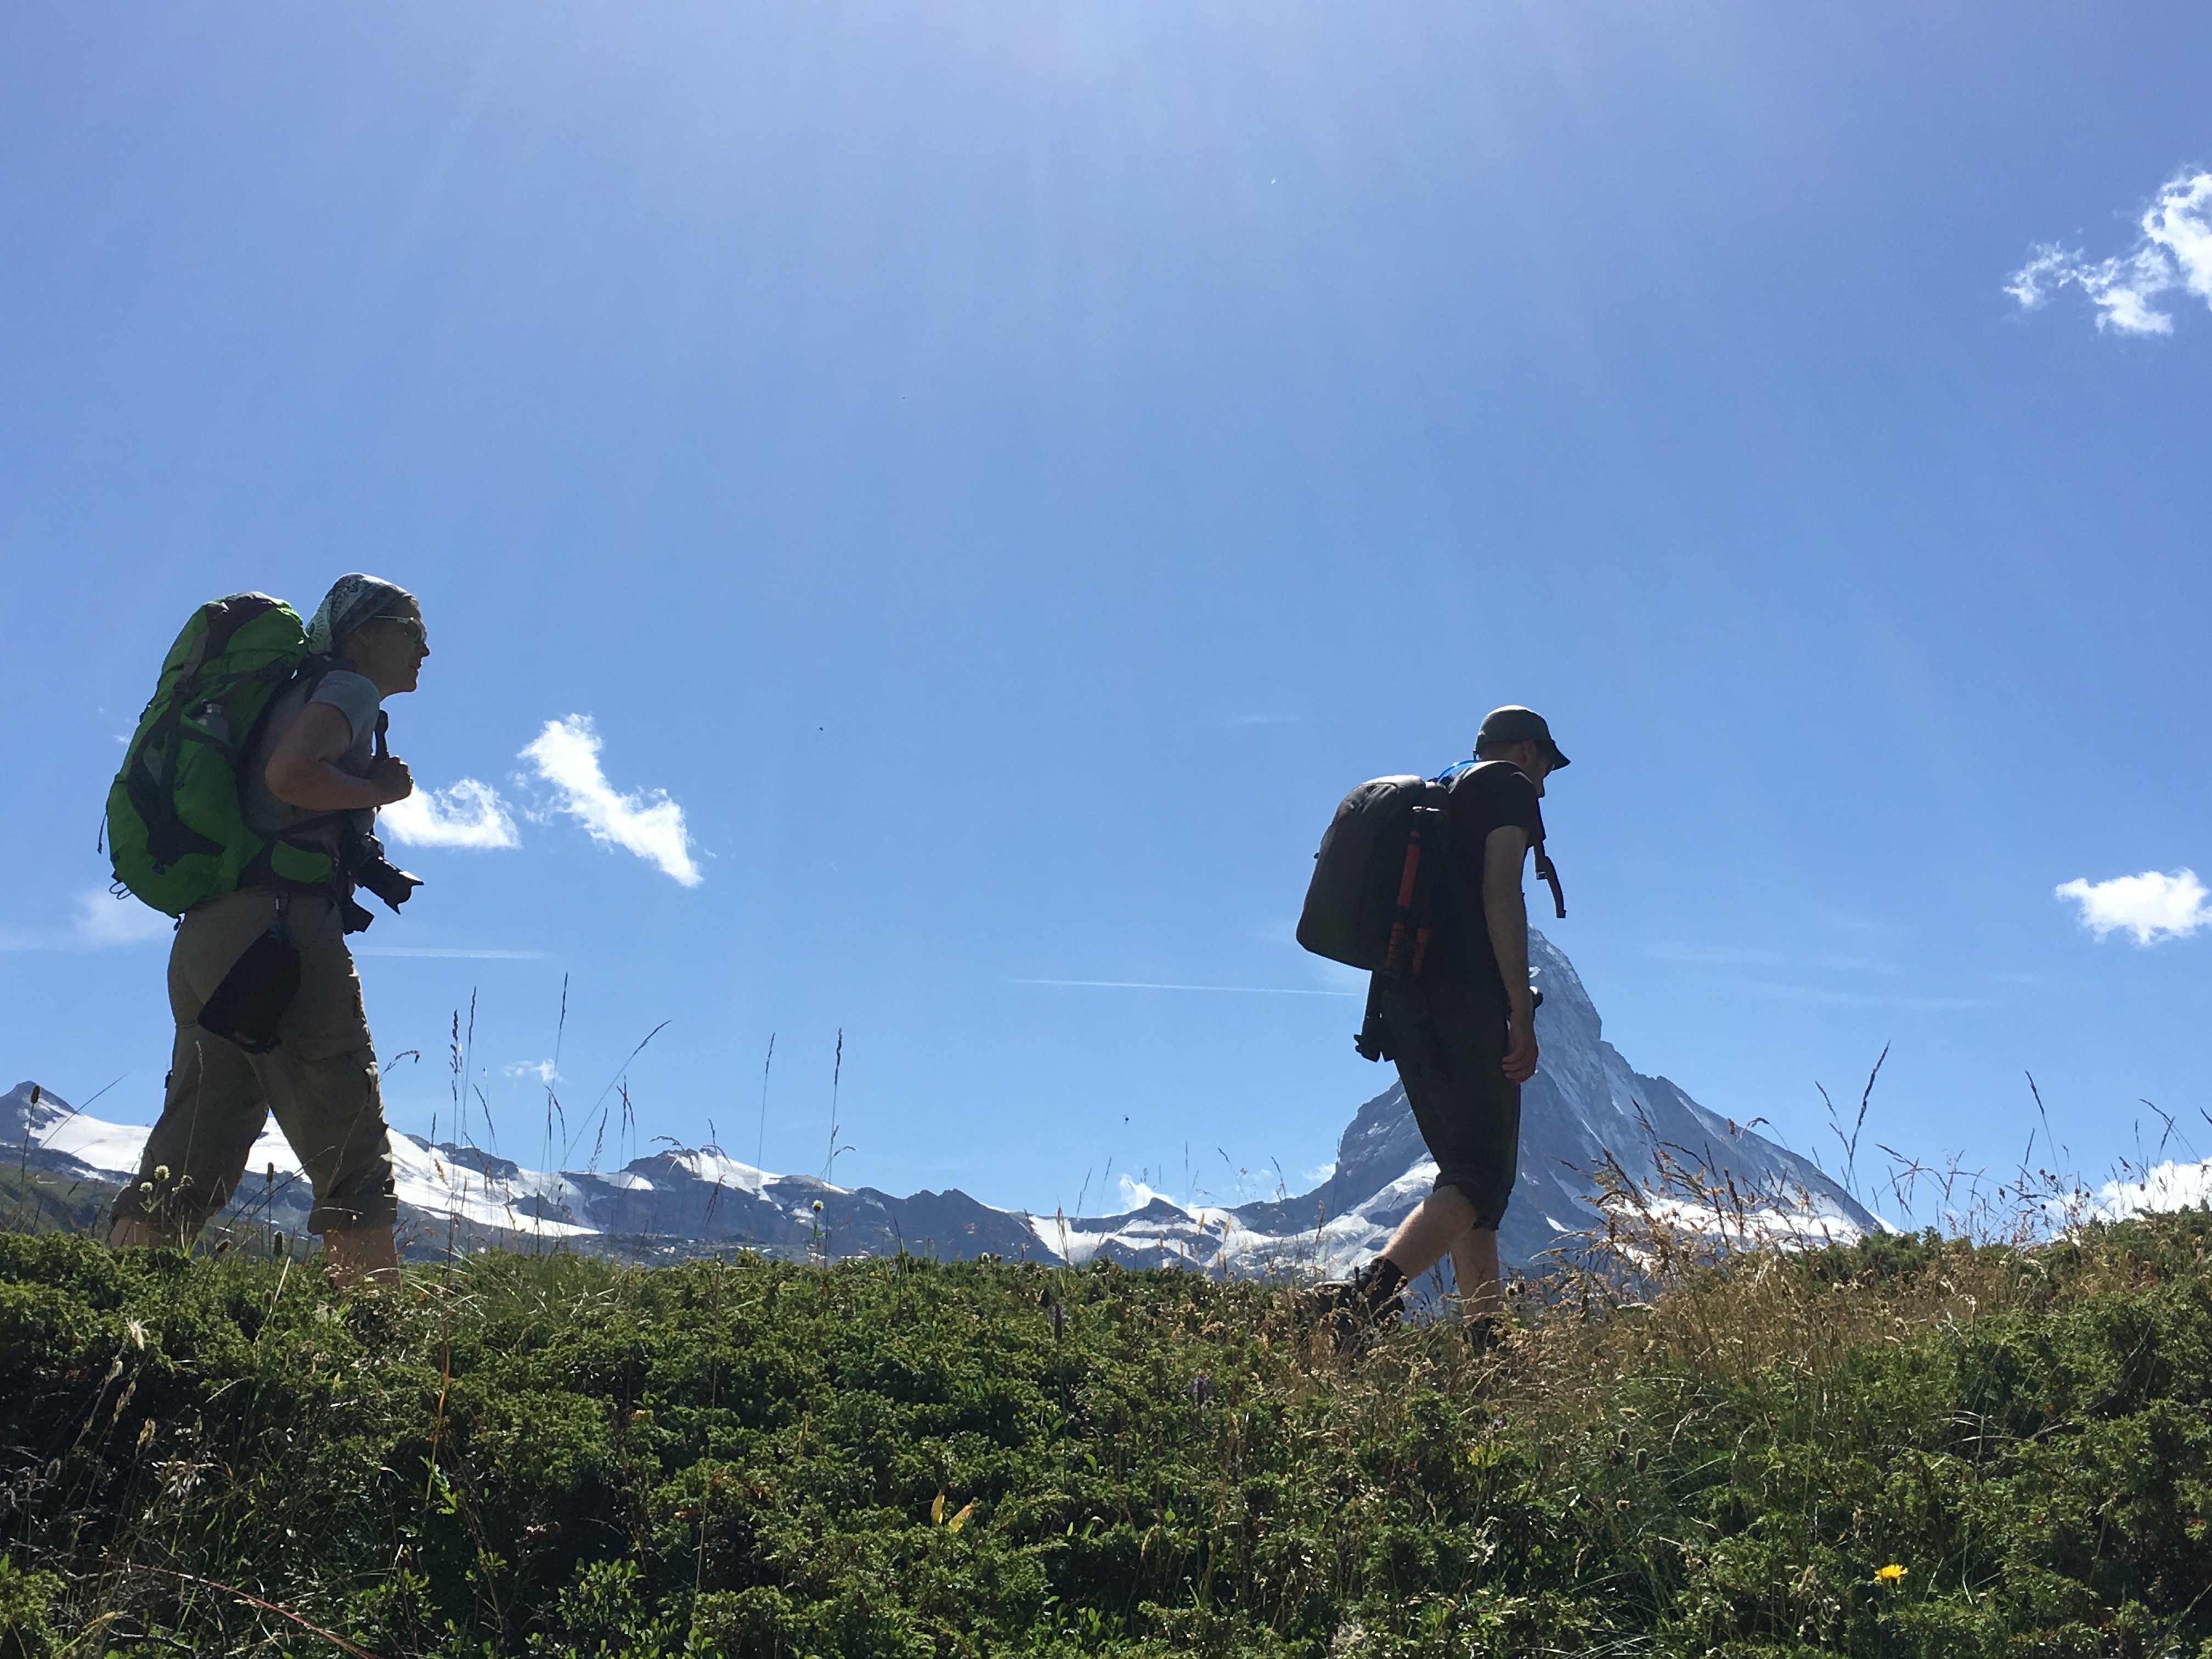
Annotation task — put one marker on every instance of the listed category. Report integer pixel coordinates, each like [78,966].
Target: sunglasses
[413,626]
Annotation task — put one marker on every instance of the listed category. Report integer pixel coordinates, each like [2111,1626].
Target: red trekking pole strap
[1409,941]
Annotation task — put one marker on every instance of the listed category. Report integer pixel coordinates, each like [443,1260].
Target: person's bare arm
[303,770]
[1507,913]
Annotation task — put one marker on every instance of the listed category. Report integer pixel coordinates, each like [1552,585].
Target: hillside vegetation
[1909,1447]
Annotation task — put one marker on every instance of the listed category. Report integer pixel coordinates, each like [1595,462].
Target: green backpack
[176,822]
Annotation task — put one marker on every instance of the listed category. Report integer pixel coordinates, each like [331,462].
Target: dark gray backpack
[1373,899]
[1380,892]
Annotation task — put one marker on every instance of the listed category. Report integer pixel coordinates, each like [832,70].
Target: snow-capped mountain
[1584,1104]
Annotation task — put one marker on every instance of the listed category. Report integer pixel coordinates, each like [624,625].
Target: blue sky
[1004,472]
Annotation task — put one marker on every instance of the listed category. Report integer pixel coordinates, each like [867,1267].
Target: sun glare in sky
[924,511]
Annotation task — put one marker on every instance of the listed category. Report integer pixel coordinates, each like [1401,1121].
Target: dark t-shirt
[1496,795]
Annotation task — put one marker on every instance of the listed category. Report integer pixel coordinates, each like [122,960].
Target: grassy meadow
[1914,1446]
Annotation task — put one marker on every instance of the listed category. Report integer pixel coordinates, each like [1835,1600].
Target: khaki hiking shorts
[320,1079]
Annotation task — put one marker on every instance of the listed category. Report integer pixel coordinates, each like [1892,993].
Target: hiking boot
[1485,1334]
[1349,1310]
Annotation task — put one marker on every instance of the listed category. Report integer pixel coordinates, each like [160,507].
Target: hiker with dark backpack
[1419,881]
[246,807]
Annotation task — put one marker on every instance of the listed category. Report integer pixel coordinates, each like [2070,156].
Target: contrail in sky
[1143,985]
[463,953]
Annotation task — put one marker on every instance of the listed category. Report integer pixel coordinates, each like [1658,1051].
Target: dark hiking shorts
[1450,1044]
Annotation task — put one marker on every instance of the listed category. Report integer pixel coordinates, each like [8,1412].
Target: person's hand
[389,776]
[1521,1045]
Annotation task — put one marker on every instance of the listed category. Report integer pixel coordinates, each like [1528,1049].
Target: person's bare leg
[1424,1236]
[141,1233]
[1480,1282]
[130,1233]
[361,1254]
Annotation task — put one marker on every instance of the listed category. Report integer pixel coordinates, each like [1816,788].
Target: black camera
[388,881]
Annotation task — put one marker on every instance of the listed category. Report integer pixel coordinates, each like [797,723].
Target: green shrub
[26,1598]
[553,1456]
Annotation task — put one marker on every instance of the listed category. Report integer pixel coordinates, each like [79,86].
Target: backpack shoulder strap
[1547,871]
[307,677]
[1550,872]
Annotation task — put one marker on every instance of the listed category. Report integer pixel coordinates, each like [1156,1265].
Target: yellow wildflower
[1892,1574]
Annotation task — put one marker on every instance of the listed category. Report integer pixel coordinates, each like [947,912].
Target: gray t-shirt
[355,696]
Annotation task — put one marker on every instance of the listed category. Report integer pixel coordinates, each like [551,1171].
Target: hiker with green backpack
[1419,880]
[247,808]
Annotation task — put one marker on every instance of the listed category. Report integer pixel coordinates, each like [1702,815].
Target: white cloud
[2167,1186]
[566,755]
[2151,905]
[2174,252]
[1136,1194]
[470,814]
[543,1070]
[102,918]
